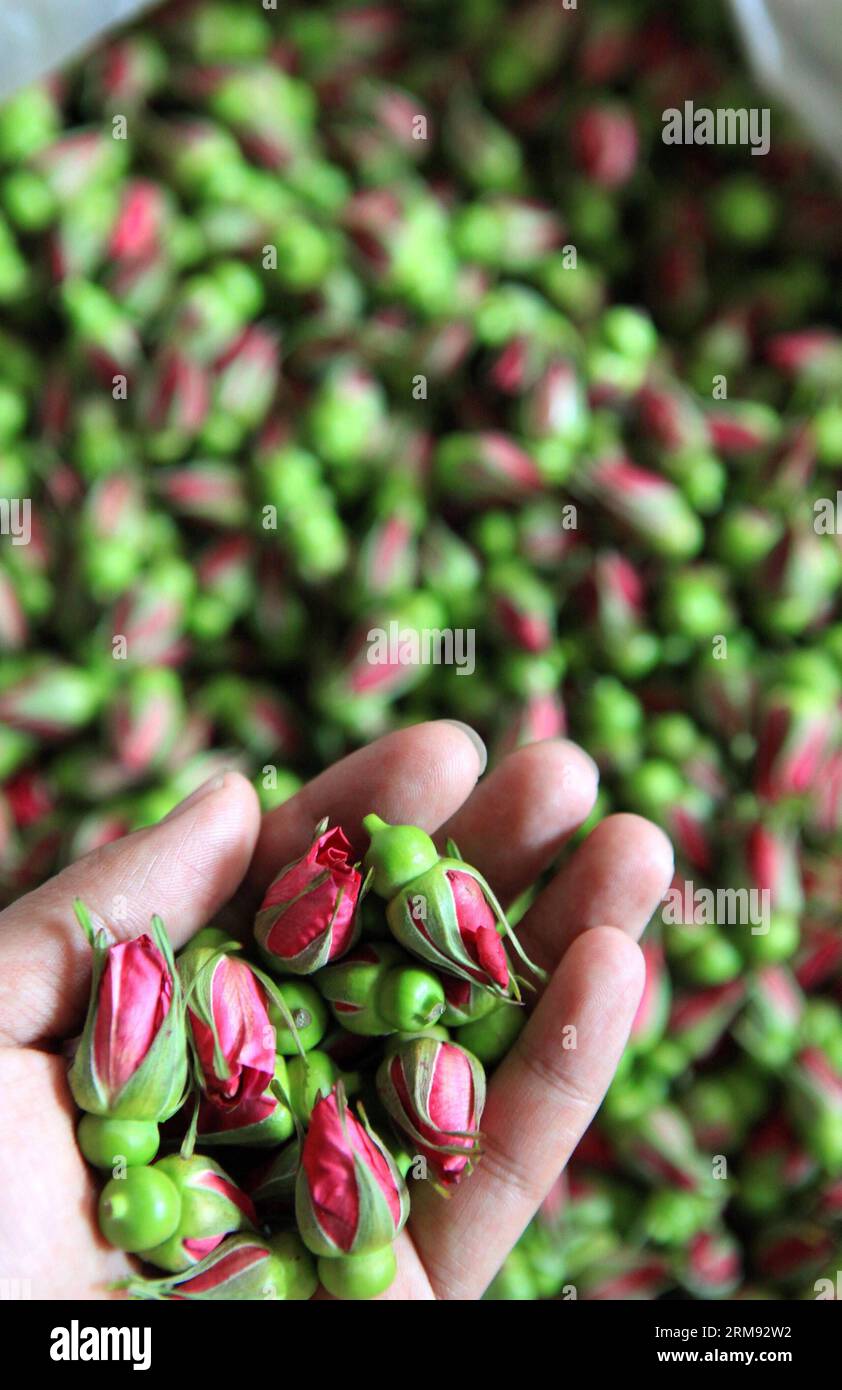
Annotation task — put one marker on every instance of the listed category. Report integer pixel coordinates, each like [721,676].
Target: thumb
[185,869]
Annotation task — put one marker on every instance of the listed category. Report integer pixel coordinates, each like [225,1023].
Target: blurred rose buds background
[435,1092]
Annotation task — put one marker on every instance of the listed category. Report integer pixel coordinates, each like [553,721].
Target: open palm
[212,857]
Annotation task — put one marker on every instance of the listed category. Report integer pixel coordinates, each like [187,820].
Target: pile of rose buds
[354,1063]
[361,318]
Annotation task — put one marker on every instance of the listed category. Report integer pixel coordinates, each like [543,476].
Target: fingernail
[481,750]
[212,784]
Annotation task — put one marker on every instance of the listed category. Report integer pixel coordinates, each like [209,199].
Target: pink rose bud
[769,861]
[556,406]
[387,562]
[768,1026]
[669,417]
[234,1042]
[605,143]
[123,73]
[819,956]
[793,1251]
[660,1148]
[774,1166]
[142,285]
[478,929]
[384,657]
[350,1198]
[435,1093]
[212,1207]
[276,610]
[178,397]
[728,690]
[486,467]
[796,732]
[444,348]
[700,1019]
[28,797]
[741,428]
[516,369]
[791,470]
[522,608]
[146,718]
[800,579]
[615,594]
[825,813]
[103,329]
[242,1267]
[50,698]
[263,106]
[252,716]
[76,162]
[544,540]
[151,615]
[538,717]
[246,376]
[131,1062]
[308,916]
[805,351]
[711,1265]
[442,909]
[114,522]
[524,232]
[376,126]
[814,1096]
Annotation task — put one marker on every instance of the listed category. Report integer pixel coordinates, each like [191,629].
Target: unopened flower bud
[131,1062]
[350,1197]
[308,916]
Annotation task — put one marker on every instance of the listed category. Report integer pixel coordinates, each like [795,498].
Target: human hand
[211,858]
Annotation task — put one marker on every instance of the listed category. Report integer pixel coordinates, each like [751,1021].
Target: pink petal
[134,997]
